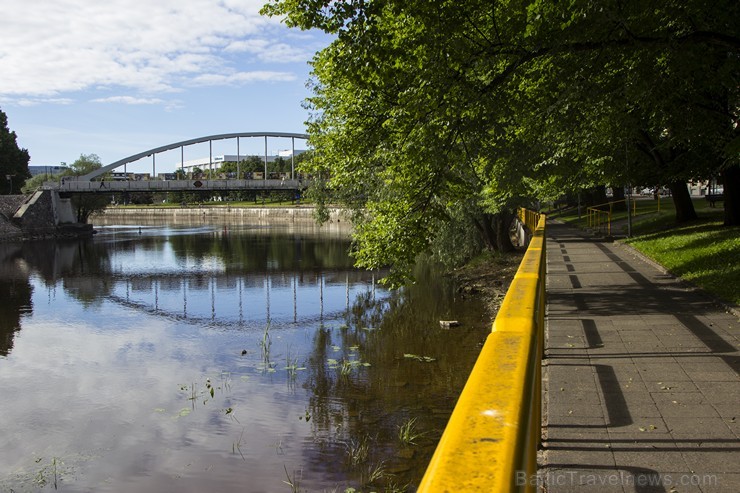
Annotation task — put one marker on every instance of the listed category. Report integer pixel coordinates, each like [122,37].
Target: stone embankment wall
[37,217]
[244,215]
[37,214]
[9,204]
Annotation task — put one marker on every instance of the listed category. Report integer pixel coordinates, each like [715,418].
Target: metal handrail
[490,442]
[597,216]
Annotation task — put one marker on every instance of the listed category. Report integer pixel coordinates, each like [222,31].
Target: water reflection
[168,358]
[15,293]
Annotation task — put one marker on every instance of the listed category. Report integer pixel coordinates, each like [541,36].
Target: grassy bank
[702,252]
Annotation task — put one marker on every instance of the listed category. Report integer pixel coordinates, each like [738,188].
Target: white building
[215,162]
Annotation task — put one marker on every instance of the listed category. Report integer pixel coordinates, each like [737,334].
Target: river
[203,357]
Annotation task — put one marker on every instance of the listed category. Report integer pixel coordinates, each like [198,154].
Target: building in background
[215,162]
[48,170]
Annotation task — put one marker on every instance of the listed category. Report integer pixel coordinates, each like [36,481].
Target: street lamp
[10,179]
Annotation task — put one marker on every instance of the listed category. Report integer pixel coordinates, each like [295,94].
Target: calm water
[220,358]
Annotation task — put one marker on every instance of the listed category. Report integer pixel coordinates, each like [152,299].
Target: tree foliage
[419,106]
[13,160]
[87,203]
[33,183]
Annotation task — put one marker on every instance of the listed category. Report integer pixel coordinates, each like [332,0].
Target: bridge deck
[641,376]
[71,185]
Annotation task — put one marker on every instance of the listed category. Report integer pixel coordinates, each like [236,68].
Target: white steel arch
[199,140]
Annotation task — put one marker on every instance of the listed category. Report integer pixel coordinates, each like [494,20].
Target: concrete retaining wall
[37,214]
[242,215]
[42,215]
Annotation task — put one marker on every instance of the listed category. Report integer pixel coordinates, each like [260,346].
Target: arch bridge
[94,181]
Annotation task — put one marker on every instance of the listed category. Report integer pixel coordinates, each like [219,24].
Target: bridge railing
[490,442]
[173,185]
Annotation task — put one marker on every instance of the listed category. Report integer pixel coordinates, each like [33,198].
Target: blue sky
[119,77]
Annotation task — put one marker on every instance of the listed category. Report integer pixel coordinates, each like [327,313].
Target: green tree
[33,183]
[421,105]
[13,160]
[252,164]
[87,203]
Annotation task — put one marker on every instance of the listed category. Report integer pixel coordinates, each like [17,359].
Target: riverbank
[225,213]
[10,231]
[487,277]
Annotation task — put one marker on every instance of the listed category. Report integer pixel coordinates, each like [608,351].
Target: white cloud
[38,101]
[53,47]
[266,51]
[129,100]
[241,78]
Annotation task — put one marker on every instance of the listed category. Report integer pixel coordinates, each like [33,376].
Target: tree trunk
[494,231]
[618,198]
[682,200]
[502,224]
[595,196]
[599,195]
[731,183]
[485,230]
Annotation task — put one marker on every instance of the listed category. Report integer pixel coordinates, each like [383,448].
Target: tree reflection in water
[15,293]
[175,306]
[356,416]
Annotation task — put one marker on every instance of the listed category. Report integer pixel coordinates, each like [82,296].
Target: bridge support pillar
[47,215]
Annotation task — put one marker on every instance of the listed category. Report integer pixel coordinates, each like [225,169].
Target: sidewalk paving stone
[640,377]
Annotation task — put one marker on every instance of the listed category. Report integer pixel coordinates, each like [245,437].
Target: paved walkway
[641,376]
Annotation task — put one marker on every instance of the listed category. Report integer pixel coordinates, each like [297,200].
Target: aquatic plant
[357,450]
[376,472]
[408,433]
[237,446]
[265,345]
[229,411]
[41,477]
[423,359]
[345,367]
[225,380]
[291,365]
[291,481]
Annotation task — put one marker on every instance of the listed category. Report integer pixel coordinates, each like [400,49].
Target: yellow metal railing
[491,440]
[529,217]
[600,216]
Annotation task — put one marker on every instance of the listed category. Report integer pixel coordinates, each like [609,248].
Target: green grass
[644,209]
[703,252]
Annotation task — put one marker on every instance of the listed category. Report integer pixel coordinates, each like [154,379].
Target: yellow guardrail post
[491,440]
